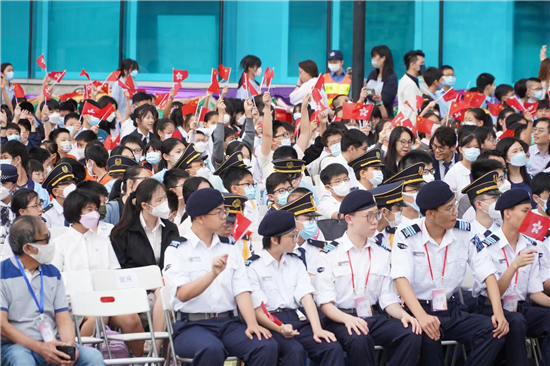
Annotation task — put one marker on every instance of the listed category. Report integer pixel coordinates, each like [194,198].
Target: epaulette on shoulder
[381,245]
[177,242]
[318,243]
[390,230]
[490,240]
[462,225]
[251,259]
[477,243]
[48,207]
[329,246]
[410,230]
[532,241]
[224,240]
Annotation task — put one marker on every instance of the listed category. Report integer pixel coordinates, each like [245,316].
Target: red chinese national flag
[450,95]
[57,75]
[64,97]
[190,107]
[507,133]
[515,103]
[419,102]
[179,75]
[357,111]
[398,120]
[477,100]
[112,76]
[248,85]
[161,99]
[19,93]
[458,106]
[84,73]
[130,83]
[224,72]
[468,96]
[535,226]
[91,110]
[494,108]
[104,87]
[241,227]
[41,61]
[531,107]
[424,125]
[214,85]
[320,82]
[46,92]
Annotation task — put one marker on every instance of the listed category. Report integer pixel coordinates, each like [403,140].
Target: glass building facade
[500,37]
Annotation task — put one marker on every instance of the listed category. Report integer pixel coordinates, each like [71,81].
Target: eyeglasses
[405,142]
[284,135]
[46,239]
[428,171]
[451,210]
[137,151]
[492,140]
[305,219]
[37,206]
[439,148]
[247,185]
[221,213]
[337,182]
[284,190]
[372,217]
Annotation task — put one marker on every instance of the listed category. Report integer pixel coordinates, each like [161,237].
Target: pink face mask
[90,220]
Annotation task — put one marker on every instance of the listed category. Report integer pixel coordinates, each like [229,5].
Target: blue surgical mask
[519,160]
[528,164]
[310,230]
[449,80]
[134,73]
[250,193]
[413,205]
[94,121]
[336,149]
[61,122]
[471,154]
[9,75]
[70,129]
[286,142]
[440,86]
[283,198]
[153,157]
[539,94]
[297,116]
[14,138]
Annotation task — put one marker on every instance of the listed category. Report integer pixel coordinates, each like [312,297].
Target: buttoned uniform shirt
[537,160]
[529,280]
[481,231]
[17,300]
[192,259]
[278,284]
[458,177]
[544,259]
[409,259]
[84,252]
[311,252]
[54,215]
[334,275]
[153,235]
[327,207]
[104,229]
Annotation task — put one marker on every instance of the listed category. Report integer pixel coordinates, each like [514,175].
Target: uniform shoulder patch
[477,243]
[532,241]
[177,242]
[410,230]
[328,247]
[462,225]
[251,259]
[490,240]
[390,230]
[48,207]
[225,240]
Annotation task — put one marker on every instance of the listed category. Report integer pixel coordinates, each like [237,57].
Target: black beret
[277,223]
[433,195]
[8,173]
[512,198]
[203,201]
[357,201]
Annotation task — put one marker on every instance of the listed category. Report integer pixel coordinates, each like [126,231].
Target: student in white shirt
[458,176]
[308,72]
[80,249]
[336,180]
[409,86]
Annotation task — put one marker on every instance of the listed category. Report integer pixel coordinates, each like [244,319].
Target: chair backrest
[332,229]
[77,281]
[166,296]
[110,303]
[148,278]
[468,281]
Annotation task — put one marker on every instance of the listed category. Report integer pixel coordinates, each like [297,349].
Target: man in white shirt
[409,87]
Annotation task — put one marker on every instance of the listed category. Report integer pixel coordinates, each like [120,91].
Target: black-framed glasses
[372,217]
[46,239]
[222,213]
[428,171]
[247,185]
[284,190]
[284,135]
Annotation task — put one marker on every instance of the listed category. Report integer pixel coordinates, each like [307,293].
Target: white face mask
[201,146]
[241,120]
[45,254]
[226,118]
[4,193]
[79,153]
[67,190]
[342,189]
[398,216]
[493,213]
[89,168]
[506,186]
[258,72]
[175,158]
[333,67]
[285,142]
[377,178]
[203,172]
[428,177]
[66,146]
[167,135]
[54,117]
[246,162]
[162,211]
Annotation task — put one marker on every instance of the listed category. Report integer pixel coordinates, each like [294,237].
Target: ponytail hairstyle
[248,62]
[120,186]
[167,146]
[126,66]
[132,207]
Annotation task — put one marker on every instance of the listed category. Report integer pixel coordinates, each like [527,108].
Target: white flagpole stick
[273,72]
[228,77]
[437,100]
[468,86]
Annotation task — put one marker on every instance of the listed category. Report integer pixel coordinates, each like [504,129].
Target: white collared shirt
[480,230]
[529,280]
[154,235]
[278,285]
[442,167]
[83,252]
[544,258]
[54,215]
[409,260]
[327,207]
[104,229]
[191,260]
[333,280]
[312,252]
[458,177]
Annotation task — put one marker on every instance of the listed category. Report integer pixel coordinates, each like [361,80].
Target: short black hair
[331,171]
[55,133]
[537,121]
[520,88]
[66,107]
[331,132]
[411,57]
[86,136]
[266,241]
[38,153]
[25,123]
[72,115]
[13,126]
[483,80]
[76,201]
[354,138]
[413,157]
[446,67]
[512,119]
[98,154]
[21,200]
[540,183]
[431,75]
[480,167]
[191,185]
[285,152]
[15,149]
[274,180]
[488,153]
[93,186]
[34,166]
[483,133]
[173,176]
[233,176]
[140,97]
[446,136]
[543,104]
[502,90]
[132,139]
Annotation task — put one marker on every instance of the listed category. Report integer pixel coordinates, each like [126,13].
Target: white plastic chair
[147,278]
[101,304]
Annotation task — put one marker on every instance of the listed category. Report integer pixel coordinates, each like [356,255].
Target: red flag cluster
[97,112]
[357,111]
[224,72]
[247,85]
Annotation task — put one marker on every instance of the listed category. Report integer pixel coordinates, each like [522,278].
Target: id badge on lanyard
[362,303]
[510,299]
[44,327]
[439,295]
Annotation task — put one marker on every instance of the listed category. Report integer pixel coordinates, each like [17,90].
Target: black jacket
[134,250]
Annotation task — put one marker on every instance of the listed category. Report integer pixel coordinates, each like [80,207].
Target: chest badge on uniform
[402,246]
